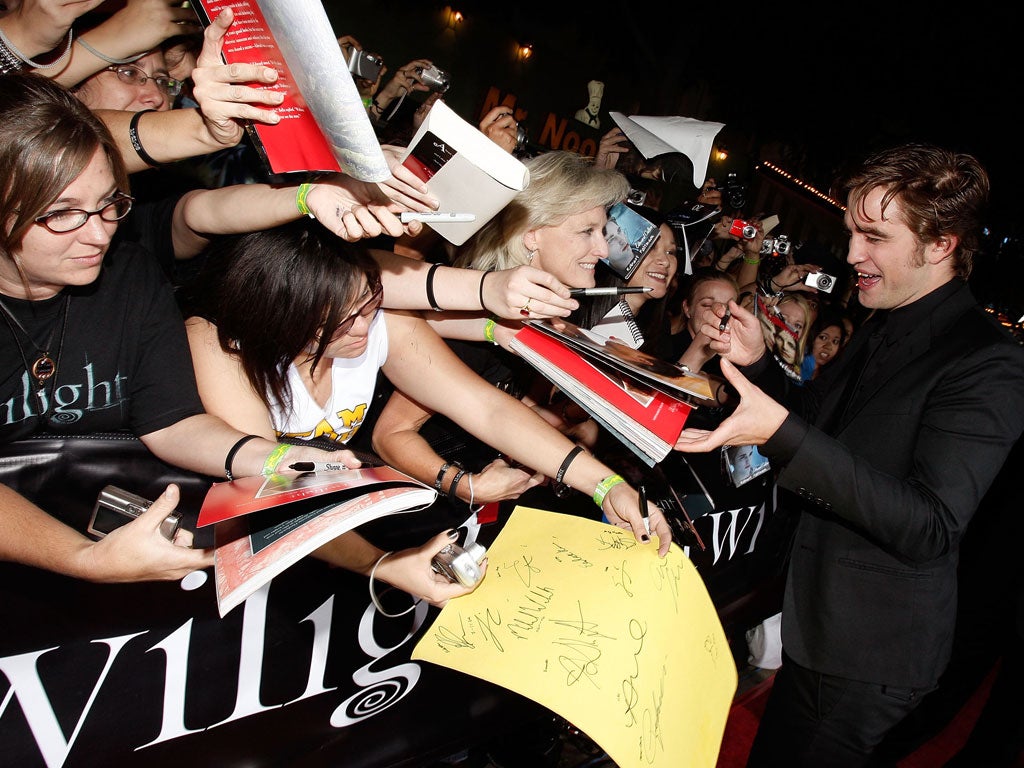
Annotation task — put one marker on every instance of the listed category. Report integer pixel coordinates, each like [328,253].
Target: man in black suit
[889,452]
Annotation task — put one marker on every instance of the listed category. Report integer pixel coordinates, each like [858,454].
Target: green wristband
[300,200]
[275,458]
[604,486]
[489,330]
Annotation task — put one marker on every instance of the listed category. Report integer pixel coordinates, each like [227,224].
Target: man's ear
[942,248]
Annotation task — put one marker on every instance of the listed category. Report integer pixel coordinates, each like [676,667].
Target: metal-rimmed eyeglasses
[69,219]
[133,75]
[368,310]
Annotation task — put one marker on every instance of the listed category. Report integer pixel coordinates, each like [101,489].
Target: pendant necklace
[45,366]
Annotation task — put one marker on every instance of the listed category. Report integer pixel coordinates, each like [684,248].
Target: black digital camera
[733,191]
[116,506]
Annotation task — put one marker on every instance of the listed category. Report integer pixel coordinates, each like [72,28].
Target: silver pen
[434,217]
[722,326]
[609,290]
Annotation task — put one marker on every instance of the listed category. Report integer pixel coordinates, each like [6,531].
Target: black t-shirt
[123,362]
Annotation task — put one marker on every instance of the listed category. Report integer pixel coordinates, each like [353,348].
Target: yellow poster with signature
[578,616]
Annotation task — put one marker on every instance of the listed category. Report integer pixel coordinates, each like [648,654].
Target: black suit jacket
[871,590]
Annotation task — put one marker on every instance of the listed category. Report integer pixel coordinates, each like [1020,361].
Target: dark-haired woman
[92,340]
[287,337]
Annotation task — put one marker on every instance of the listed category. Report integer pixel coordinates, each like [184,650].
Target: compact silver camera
[460,565]
[779,245]
[636,197]
[116,506]
[365,65]
[821,281]
[521,138]
[436,79]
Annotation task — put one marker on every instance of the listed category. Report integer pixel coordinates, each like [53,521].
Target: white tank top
[352,384]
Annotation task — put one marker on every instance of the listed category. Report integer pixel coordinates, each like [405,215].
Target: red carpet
[748,706]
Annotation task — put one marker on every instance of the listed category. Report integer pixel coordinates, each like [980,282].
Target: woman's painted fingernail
[453,534]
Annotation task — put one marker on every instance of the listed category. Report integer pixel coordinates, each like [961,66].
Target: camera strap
[774,317]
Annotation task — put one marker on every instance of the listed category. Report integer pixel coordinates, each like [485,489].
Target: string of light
[802,184]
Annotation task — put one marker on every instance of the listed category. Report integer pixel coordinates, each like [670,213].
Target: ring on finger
[525,311]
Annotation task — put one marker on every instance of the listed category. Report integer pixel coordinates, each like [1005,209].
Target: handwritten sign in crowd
[578,616]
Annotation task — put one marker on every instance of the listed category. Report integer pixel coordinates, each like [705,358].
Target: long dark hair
[274,292]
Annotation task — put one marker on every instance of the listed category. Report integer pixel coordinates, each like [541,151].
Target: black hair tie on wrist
[430,288]
[231,454]
[482,278]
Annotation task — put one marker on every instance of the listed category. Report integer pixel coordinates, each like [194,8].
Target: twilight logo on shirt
[68,403]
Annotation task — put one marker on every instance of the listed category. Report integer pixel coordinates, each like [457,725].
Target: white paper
[470,173]
[310,47]
[653,136]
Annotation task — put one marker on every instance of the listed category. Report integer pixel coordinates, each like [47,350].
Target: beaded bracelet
[604,486]
[231,454]
[300,200]
[133,137]
[373,593]
[275,458]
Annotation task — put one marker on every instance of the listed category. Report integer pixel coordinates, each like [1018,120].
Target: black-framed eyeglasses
[368,310]
[69,219]
[133,75]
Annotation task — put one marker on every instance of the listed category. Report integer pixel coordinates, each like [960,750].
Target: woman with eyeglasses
[142,84]
[287,338]
[92,341]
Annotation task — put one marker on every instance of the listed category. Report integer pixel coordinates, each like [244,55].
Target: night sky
[832,82]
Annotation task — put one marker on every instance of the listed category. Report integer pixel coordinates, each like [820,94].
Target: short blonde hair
[562,184]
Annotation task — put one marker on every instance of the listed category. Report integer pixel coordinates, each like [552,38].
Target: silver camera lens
[821,281]
[749,232]
[521,138]
[460,565]
[436,79]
